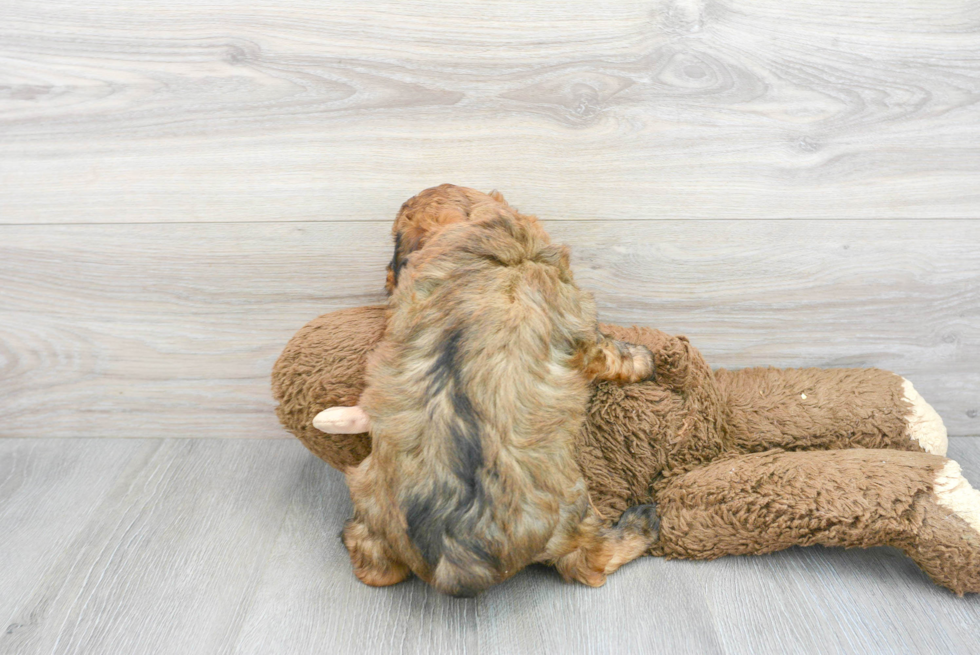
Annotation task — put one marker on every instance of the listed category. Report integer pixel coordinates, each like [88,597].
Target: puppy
[475,397]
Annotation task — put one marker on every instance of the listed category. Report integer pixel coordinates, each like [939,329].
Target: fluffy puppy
[475,397]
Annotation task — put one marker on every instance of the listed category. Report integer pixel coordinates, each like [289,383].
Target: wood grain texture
[48,493]
[149,111]
[169,559]
[184,184]
[831,600]
[314,602]
[218,546]
[171,330]
[649,606]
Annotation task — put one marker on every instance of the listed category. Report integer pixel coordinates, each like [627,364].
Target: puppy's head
[425,214]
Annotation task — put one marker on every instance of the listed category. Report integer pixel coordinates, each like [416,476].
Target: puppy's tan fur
[476,395]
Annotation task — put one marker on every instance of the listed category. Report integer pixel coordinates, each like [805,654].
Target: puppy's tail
[463,573]
[444,524]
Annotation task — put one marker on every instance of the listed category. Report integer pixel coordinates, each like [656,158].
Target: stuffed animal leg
[797,408]
[809,408]
[763,502]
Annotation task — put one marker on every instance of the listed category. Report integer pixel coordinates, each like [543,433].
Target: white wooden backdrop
[184,184]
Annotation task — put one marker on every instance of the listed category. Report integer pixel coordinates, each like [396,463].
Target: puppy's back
[474,406]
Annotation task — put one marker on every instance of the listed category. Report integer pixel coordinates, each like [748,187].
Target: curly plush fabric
[760,503]
[738,462]
[323,366]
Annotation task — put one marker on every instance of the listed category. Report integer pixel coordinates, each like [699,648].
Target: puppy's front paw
[644,365]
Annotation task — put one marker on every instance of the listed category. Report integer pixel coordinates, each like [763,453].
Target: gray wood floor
[231,546]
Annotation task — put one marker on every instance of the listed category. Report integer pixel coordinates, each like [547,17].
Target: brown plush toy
[738,462]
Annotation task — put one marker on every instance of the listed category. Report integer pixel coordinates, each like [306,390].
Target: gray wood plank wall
[183,185]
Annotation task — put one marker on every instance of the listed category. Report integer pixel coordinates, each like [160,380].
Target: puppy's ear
[407,241]
[395,265]
[499,197]
[413,233]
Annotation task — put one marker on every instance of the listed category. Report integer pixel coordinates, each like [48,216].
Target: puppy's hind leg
[616,361]
[372,559]
[606,549]
[635,532]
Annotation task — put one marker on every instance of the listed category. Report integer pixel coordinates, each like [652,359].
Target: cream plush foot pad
[954,492]
[925,425]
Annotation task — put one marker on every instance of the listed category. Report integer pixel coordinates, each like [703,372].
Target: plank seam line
[547,220]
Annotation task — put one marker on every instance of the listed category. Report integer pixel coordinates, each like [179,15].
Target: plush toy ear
[342,420]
